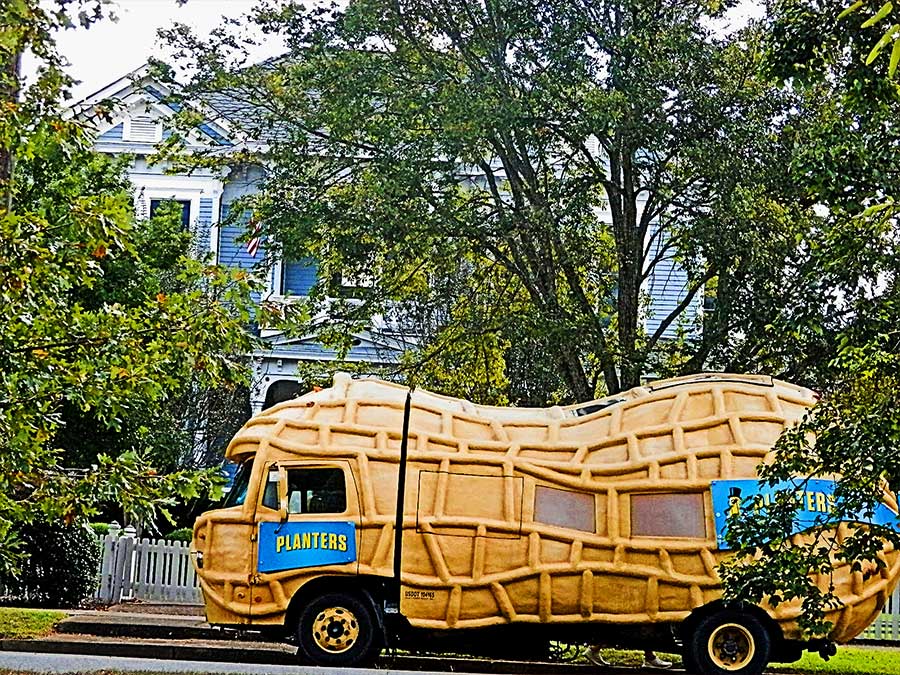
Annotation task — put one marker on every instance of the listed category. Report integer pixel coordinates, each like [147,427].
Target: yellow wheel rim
[731,646]
[335,630]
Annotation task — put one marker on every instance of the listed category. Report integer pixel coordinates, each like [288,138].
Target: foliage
[60,569]
[23,624]
[79,333]
[99,529]
[189,429]
[853,433]
[181,534]
[848,162]
[890,37]
[605,143]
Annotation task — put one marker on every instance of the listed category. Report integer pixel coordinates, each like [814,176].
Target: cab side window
[270,494]
[316,490]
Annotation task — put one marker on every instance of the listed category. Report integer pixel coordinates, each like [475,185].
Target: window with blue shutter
[298,277]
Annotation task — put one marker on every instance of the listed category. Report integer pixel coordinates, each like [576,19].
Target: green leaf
[895,58]
[879,15]
[852,8]
[876,208]
[881,44]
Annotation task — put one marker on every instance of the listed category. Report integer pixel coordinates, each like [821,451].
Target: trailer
[367,515]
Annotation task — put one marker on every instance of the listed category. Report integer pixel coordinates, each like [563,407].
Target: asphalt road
[68,663]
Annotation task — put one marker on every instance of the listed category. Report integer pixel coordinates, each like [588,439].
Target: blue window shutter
[204,224]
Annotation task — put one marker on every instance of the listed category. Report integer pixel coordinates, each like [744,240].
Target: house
[140,119]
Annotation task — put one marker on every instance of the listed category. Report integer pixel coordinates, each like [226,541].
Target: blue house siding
[233,247]
[113,135]
[667,285]
[242,182]
[233,244]
[299,277]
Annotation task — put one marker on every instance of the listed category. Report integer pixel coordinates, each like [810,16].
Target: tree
[846,160]
[413,142]
[434,147]
[66,221]
[189,429]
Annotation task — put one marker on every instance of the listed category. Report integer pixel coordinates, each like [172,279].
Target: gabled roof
[109,105]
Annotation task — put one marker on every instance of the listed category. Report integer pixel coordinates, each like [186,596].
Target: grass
[633,659]
[850,660]
[19,624]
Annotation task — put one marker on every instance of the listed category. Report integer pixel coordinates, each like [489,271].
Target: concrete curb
[84,625]
[151,651]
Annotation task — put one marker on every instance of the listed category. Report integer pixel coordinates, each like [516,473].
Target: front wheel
[728,642]
[338,629]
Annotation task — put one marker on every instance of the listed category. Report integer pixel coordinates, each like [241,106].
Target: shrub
[181,534]
[60,568]
[100,529]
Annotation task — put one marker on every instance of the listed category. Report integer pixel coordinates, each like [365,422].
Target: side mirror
[282,495]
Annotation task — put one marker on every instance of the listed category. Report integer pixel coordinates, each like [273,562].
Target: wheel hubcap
[335,629]
[731,646]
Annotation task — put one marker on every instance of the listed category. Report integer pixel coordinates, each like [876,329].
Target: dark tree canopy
[546,158]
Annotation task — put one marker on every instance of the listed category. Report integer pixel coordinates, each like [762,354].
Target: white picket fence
[145,569]
[887,625]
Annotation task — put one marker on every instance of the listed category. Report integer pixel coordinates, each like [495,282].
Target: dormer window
[142,129]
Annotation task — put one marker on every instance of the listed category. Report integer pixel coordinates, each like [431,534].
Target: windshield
[238,492]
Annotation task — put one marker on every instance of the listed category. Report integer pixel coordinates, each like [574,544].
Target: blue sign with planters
[293,545]
[815,500]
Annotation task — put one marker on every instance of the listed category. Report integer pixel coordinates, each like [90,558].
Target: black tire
[687,660]
[728,642]
[338,629]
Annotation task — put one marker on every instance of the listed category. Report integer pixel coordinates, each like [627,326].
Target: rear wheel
[338,629]
[728,642]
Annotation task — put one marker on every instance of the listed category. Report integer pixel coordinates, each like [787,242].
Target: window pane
[316,491]
[238,492]
[668,515]
[185,205]
[575,510]
[270,494]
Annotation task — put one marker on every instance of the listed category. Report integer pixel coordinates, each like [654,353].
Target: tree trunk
[10,66]
[630,249]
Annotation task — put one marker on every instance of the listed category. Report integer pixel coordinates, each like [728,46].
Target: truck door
[306,524]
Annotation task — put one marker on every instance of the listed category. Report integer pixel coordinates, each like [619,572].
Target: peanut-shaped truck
[365,515]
